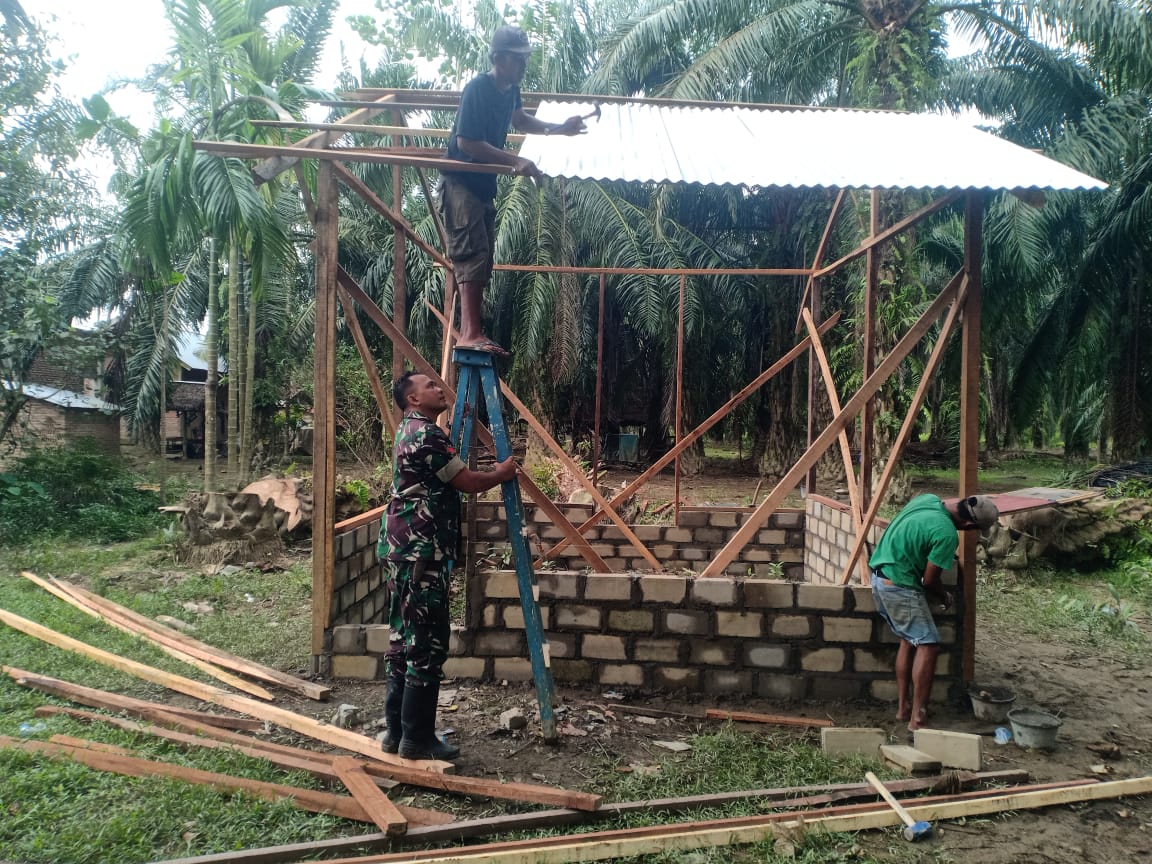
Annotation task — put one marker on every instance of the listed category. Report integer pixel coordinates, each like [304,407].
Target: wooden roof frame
[960,299]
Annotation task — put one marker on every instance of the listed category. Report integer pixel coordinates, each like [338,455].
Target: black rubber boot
[393,704]
[418,720]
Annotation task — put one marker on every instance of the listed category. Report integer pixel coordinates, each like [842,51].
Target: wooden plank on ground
[487,826]
[112,619]
[375,803]
[772,719]
[125,704]
[208,693]
[158,632]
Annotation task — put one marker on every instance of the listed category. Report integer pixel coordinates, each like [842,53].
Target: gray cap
[979,509]
[510,40]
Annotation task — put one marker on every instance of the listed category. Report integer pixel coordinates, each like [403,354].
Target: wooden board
[125,704]
[376,804]
[773,719]
[63,591]
[909,758]
[208,693]
[155,631]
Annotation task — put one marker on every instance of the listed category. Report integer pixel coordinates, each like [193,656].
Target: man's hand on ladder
[506,470]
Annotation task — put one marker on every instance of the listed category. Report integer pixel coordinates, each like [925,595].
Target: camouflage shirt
[423,517]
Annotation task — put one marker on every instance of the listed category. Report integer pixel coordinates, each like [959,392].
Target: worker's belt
[879,574]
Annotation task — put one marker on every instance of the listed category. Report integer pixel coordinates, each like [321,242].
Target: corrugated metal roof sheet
[800,148]
[66,398]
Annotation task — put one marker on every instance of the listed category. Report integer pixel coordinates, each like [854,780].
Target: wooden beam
[788,482]
[401,343]
[971,365]
[905,431]
[209,693]
[770,719]
[821,248]
[868,360]
[155,631]
[655,271]
[569,464]
[903,225]
[346,154]
[854,496]
[369,128]
[679,401]
[323,407]
[124,704]
[399,272]
[398,221]
[693,436]
[272,167]
[120,623]
[383,402]
[368,795]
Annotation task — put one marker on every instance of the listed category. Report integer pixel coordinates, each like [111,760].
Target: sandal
[488,346]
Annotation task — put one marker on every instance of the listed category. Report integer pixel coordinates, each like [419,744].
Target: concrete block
[781,687]
[558,584]
[719,591]
[686,623]
[766,656]
[631,620]
[791,626]
[695,554]
[346,639]
[663,589]
[771,538]
[787,519]
[511,669]
[723,520]
[909,758]
[562,644]
[362,667]
[822,688]
[830,597]
[953,749]
[727,681]
[852,741]
[578,617]
[361,588]
[864,600]
[743,624]
[693,518]
[675,678]
[710,536]
[678,535]
[838,629]
[624,675]
[823,660]
[601,647]
[501,584]
[376,638]
[490,615]
[572,671]
[608,586]
[460,641]
[713,653]
[874,660]
[657,651]
[500,643]
[648,533]
[768,594]
[947,633]
[514,617]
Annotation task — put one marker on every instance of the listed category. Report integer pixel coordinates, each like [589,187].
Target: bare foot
[485,344]
[904,715]
[920,720]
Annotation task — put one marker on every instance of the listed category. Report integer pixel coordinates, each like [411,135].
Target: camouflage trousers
[418,619]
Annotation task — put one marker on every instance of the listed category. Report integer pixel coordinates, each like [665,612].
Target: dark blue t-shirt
[485,115]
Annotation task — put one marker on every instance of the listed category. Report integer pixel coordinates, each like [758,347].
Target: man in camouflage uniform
[418,544]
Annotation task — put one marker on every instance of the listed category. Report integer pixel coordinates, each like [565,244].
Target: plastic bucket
[1032,728]
[991,703]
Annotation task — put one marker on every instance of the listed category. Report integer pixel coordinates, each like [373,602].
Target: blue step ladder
[478,375]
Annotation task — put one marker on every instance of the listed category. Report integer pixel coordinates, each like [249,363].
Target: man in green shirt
[916,549]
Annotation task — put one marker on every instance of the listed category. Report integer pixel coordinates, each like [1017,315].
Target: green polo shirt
[922,532]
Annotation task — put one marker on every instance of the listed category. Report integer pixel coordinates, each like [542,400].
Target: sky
[102,42]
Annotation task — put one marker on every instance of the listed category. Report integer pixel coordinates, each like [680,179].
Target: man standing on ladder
[488,104]
[418,545]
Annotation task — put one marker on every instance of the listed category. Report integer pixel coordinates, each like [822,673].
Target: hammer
[913,830]
[595,112]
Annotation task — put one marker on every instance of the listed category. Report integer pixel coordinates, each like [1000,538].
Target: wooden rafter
[376,156]
[970,369]
[383,403]
[818,255]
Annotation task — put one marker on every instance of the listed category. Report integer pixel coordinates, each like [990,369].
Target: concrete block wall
[828,539]
[778,549]
[359,595]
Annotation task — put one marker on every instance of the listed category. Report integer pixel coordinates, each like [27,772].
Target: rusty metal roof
[750,147]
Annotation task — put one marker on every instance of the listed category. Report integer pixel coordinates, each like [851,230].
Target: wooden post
[399,271]
[814,302]
[599,384]
[868,418]
[323,409]
[679,402]
[970,366]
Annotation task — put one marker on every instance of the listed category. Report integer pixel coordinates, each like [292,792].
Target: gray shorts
[470,226]
[906,611]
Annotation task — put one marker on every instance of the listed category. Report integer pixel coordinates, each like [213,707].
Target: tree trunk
[211,357]
[163,467]
[234,359]
[246,438]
